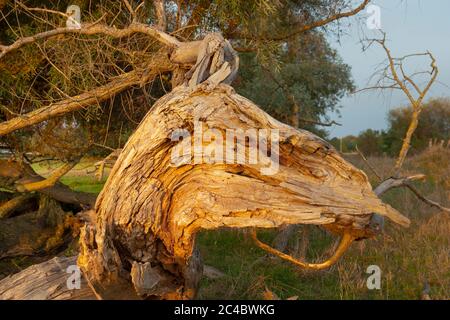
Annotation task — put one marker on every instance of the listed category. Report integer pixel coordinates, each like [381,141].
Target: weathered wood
[17,203]
[150,211]
[45,281]
[48,281]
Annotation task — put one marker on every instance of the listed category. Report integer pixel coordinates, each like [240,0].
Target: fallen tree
[143,242]
[139,240]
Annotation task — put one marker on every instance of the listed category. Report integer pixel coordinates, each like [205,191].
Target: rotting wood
[150,211]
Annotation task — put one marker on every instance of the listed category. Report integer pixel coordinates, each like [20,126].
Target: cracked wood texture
[149,211]
[45,281]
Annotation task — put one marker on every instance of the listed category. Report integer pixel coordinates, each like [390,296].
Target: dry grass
[408,258]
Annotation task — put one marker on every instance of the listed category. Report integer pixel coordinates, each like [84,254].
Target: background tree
[370,142]
[433,129]
[434,126]
[302,86]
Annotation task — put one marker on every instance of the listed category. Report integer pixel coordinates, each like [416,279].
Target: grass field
[408,258]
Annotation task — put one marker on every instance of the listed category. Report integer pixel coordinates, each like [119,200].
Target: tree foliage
[272,36]
[433,128]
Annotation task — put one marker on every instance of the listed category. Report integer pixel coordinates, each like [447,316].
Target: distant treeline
[433,128]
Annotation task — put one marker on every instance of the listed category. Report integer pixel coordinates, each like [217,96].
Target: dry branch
[368,163]
[94,29]
[397,78]
[86,99]
[17,174]
[344,244]
[48,182]
[392,183]
[160,14]
[316,24]
[7,208]
[394,72]
[426,200]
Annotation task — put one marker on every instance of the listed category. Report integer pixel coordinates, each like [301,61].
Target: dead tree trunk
[143,242]
[149,210]
[45,281]
[162,191]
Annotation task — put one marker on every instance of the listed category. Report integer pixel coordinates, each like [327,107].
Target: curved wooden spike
[344,244]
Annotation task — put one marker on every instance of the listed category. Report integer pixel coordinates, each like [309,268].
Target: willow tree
[138,240]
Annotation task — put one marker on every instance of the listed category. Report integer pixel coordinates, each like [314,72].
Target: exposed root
[344,244]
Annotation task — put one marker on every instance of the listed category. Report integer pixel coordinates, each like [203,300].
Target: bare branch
[426,200]
[160,14]
[63,14]
[22,173]
[319,23]
[406,182]
[72,104]
[130,9]
[344,244]
[394,71]
[7,208]
[391,183]
[93,29]
[377,88]
[368,164]
[48,182]
[325,124]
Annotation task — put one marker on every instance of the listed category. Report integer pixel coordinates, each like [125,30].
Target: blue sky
[411,26]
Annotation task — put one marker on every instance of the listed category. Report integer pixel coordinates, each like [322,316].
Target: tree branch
[325,124]
[48,182]
[427,201]
[97,95]
[161,20]
[368,164]
[400,79]
[12,171]
[319,23]
[7,208]
[78,102]
[93,29]
[130,9]
[391,183]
